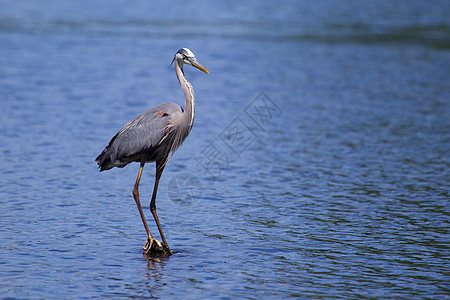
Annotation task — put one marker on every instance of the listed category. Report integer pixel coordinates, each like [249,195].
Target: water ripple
[343,194]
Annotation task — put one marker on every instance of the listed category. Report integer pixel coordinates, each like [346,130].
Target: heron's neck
[189,107]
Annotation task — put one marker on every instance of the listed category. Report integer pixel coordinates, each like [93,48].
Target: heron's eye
[184,56]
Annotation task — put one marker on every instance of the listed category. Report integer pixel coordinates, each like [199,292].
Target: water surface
[338,187]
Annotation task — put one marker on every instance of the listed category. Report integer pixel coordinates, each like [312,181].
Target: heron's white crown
[186,56]
[188,53]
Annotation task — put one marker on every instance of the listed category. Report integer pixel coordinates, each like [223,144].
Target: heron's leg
[159,169]
[138,203]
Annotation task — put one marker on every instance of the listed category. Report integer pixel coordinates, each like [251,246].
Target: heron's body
[151,137]
[152,133]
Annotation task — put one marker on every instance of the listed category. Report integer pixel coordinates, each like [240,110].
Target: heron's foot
[155,248]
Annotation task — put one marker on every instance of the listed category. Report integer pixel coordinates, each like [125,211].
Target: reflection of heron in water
[151,137]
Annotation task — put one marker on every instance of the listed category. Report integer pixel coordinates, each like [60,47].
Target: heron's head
[185,56]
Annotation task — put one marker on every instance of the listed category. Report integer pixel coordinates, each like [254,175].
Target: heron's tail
[104,160]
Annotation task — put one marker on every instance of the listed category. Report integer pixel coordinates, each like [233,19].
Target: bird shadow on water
[155,264]
[155,277]
[153,273]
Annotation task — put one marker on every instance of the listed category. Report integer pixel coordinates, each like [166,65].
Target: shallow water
[317,166]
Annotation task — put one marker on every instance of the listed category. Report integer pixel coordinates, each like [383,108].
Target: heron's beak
[196,64]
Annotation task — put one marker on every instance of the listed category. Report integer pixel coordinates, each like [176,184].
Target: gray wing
[142,133]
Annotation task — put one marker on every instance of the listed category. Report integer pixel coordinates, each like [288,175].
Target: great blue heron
[151,137]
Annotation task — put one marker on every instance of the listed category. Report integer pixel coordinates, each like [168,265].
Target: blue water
[318,165]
